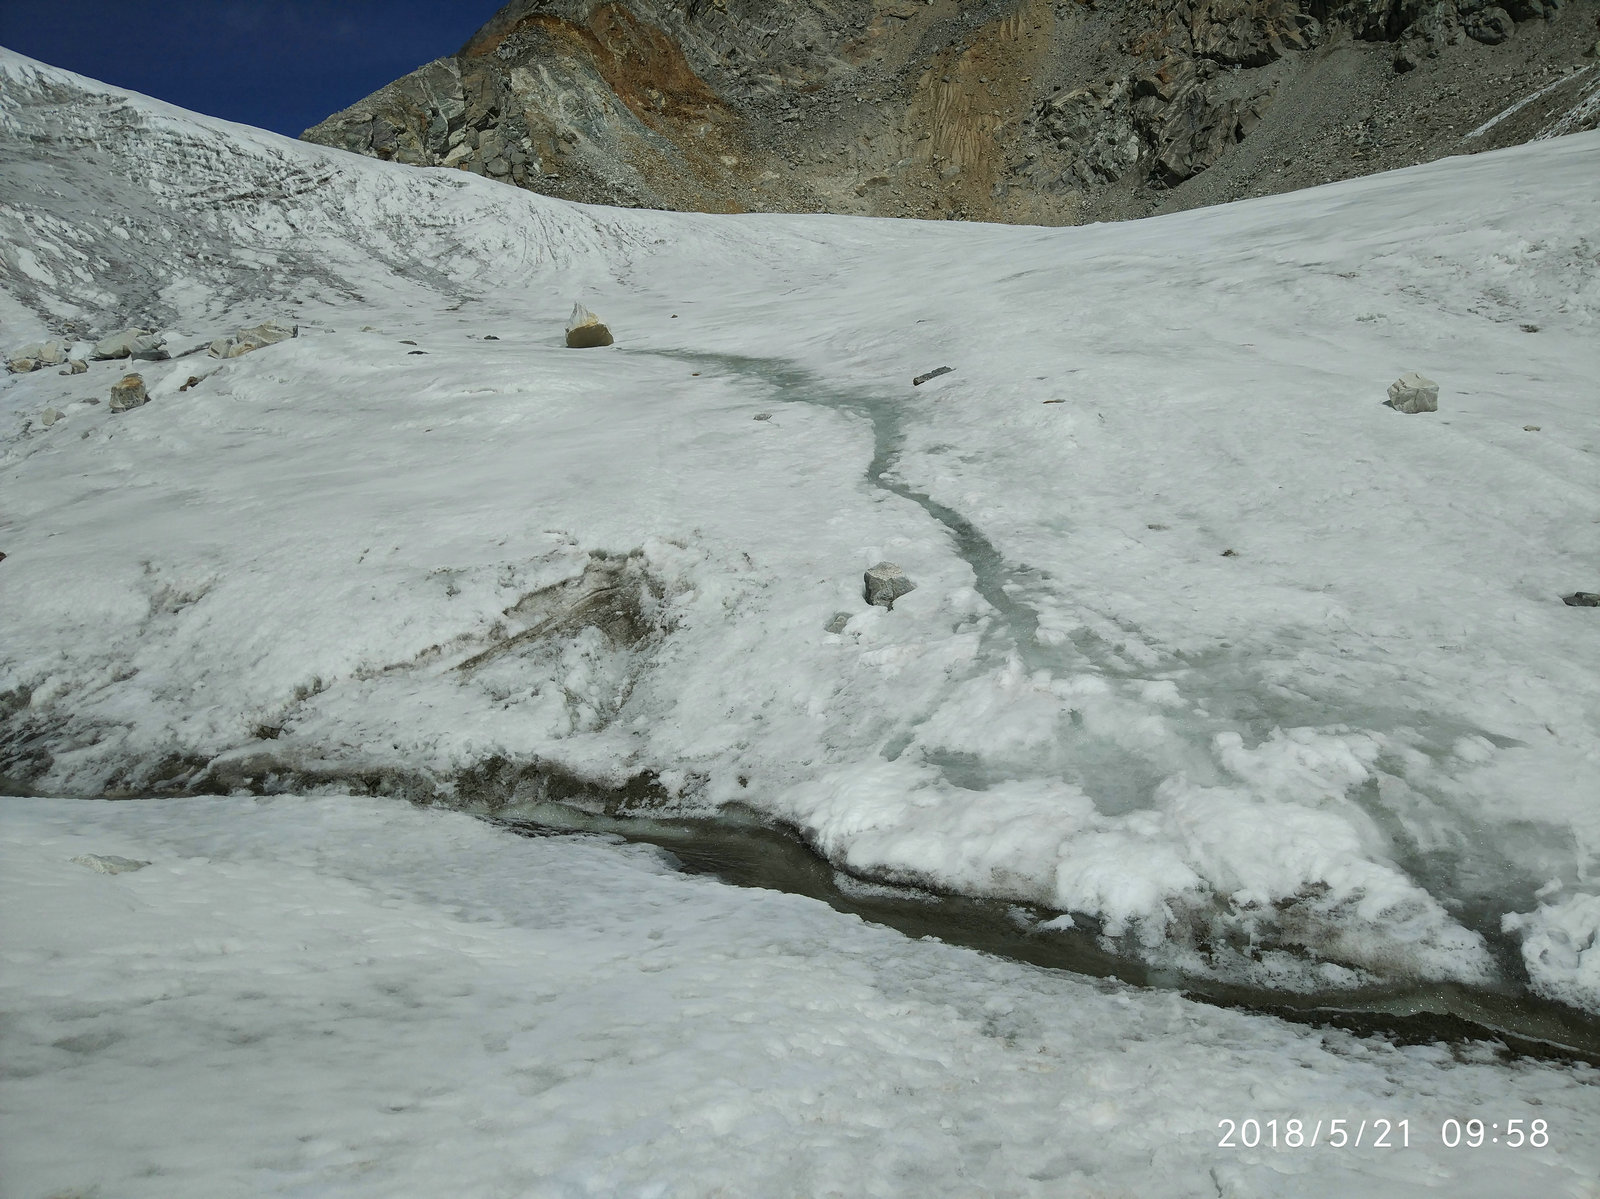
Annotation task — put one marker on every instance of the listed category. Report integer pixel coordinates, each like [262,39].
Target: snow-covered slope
[1363,747]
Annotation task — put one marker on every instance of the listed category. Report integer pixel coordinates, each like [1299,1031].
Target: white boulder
[1412,393]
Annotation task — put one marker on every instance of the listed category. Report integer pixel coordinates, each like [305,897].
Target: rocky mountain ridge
[1039,111]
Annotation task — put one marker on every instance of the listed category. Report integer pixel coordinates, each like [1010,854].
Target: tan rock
[586,331]
[129,394]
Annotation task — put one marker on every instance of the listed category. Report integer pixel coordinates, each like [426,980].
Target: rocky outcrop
[1025,110]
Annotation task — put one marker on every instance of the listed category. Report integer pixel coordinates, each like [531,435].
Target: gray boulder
[130,343]
[1491,26]
[37,356]
[1412,393]
[129,394]
[268,333]
[108,863]
[50,416]
[886,583]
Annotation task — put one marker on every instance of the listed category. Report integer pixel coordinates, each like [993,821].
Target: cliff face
[1043,111]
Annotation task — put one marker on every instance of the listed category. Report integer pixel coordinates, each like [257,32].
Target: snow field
[1360,749]
[354,997]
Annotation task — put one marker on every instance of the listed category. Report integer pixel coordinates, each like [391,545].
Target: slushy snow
[1208,649]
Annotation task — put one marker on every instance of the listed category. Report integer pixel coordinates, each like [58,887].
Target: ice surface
[1354,750]
[353,997]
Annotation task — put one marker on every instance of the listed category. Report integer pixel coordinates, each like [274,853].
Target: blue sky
[279,64]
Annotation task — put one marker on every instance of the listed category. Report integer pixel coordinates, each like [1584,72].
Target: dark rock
[585,331]
[1491,26]
[1582,599]
[885,583]
[933,374]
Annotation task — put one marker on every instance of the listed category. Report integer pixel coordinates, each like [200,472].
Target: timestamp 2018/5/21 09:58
[1379,1133]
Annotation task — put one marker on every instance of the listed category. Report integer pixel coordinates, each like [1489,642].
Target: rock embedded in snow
[886,583]
[933,374]
[36,357]
[50,416]
[130,343]
[585,331]
[1412,393]
[109,863]
[268,333]
[1582,599]
[129,394]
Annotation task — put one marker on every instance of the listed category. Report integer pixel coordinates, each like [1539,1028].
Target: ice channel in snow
[1359,752]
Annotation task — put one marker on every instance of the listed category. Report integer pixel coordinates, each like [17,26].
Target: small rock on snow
[108,863]
[1412,393]
[933,374]
[886,583]
[585,331]
[129,394]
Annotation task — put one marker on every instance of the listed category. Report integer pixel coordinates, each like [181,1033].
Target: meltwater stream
[743,850]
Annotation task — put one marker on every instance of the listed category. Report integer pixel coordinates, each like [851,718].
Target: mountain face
[1036,111]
